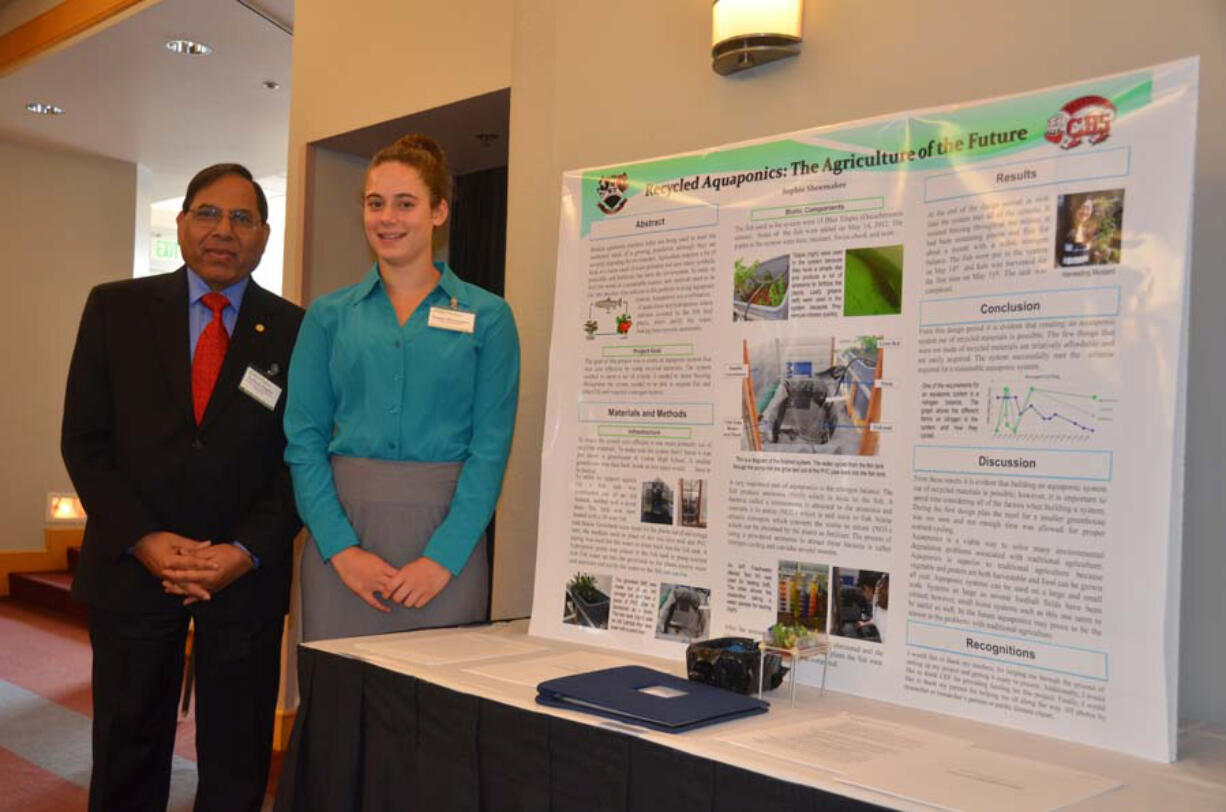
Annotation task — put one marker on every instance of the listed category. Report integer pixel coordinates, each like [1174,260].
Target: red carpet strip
[29,787]
[45,709]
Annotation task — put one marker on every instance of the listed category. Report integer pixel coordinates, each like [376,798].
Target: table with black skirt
[380,731]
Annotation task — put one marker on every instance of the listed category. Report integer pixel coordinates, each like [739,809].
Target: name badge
[446,318]
[259,388]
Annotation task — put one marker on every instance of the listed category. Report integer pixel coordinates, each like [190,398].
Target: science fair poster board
[915,382]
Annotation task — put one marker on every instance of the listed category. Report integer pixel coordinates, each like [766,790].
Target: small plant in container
[591,603]
[760,288]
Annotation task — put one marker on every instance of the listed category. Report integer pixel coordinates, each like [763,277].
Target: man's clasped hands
[196,570]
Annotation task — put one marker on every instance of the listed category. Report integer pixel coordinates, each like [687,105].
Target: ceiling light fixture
[748,33]
[188,47]
[42,109]
[272,84]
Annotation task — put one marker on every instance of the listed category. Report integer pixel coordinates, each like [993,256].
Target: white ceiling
[127,97]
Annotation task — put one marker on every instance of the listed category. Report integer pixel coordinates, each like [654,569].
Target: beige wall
[598,83]
[67,223]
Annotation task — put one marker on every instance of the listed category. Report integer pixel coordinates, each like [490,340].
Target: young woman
[1080,235]
[401,404]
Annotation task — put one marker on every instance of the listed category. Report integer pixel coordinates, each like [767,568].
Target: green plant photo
[872,281]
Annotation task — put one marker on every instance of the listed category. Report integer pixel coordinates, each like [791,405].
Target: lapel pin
[259,328]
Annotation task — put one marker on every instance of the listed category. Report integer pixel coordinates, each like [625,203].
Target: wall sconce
[748,33]
[64,508]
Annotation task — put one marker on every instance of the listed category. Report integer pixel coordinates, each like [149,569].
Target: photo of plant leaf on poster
[872,281]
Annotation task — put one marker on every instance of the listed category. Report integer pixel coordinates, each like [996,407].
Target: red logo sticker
[1086,119]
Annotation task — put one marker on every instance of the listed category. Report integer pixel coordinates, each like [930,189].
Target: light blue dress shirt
[362,385]
[198,313]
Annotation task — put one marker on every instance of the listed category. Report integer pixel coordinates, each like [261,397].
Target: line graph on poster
[1048,411]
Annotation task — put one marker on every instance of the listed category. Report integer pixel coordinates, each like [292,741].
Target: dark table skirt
[370,739]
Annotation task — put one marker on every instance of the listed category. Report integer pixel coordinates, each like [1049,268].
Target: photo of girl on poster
[1088,228]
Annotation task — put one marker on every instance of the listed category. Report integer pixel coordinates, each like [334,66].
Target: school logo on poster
[1085,119]
[611,193]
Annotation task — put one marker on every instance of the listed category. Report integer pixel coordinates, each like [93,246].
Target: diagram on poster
[914,384]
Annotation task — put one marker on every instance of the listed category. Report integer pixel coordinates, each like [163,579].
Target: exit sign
[165,249]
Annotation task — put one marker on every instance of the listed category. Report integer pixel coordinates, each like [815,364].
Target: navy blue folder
[643,696]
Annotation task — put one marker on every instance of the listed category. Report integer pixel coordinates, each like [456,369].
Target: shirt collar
[197,287]
[450,284]
[369,282]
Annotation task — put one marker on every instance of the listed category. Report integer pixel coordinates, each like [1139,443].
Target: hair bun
[425,155]
[422,142]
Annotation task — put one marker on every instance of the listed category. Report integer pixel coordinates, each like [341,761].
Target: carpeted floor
[45,710]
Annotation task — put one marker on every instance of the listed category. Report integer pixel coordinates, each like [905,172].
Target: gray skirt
[394,507]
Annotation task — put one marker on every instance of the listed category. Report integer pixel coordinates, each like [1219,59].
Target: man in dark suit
[172,436]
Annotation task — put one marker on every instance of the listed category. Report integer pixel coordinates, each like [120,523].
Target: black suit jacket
[140,463]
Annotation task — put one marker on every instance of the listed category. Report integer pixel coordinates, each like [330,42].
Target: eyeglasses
[211,216]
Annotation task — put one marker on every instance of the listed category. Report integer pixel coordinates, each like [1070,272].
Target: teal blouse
[362,385]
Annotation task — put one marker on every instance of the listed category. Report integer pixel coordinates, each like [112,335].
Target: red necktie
[210,352]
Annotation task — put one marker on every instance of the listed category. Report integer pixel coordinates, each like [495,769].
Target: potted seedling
[592,604]
[590,326]
[792,635]
[760,289]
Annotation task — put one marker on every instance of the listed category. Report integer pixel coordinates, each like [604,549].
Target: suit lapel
[168,311]
[244,345]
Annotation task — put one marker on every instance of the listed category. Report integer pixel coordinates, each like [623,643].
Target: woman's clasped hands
[369,577]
